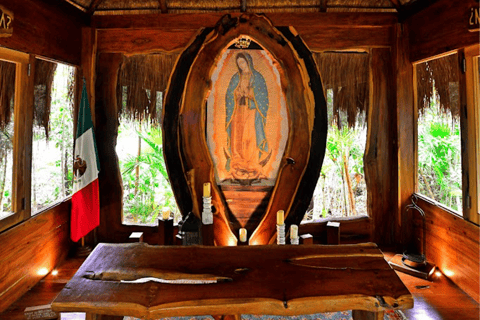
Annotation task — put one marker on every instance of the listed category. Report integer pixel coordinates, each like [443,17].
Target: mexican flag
[85,201]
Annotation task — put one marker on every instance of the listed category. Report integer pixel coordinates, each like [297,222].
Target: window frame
[470,132]
[22,137]
[472,90]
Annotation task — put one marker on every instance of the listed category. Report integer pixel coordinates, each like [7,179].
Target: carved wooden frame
[186,155]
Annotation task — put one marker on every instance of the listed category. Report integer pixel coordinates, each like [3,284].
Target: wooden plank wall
[453,245]
[441,28]
[47,28]
[40,242]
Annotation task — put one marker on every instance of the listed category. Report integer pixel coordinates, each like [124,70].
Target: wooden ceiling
[109,7]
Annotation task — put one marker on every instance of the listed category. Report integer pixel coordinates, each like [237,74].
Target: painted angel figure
[246,117]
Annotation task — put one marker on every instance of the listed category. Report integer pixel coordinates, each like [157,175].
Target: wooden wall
[47,28]
[453,245]
[40,242]
[441,28]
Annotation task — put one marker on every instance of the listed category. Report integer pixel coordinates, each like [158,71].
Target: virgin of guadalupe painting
[246,119]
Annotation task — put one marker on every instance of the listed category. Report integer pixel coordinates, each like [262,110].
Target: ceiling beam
[397,4]
[163,6]
[413,8]
[93,6]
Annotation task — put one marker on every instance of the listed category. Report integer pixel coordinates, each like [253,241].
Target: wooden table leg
[367,315]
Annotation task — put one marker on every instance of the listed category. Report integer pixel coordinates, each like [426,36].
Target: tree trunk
[349,186]
[426,183]
[137,167]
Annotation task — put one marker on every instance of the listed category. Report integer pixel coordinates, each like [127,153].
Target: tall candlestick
[165,213]
[206,189]
[243,235]
[293,234]
[280,217]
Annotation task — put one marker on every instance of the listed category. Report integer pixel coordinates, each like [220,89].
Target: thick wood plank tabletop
[276,280]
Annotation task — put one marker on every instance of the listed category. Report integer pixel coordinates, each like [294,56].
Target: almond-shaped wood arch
[187,157]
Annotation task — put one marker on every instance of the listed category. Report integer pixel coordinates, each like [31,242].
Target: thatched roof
[439,78]
[347,75]
[255,6]
[44,72]
[140,79]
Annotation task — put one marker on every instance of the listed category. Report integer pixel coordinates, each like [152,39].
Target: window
[341,190]
[14,123]
[7,74]
[439,152]
[472,62]
[447,104]
[52,141]
[146,186]
[28,183]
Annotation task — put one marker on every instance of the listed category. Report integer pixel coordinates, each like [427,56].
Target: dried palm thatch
[7,92]
[256,6]
[44,72]
[140,79]
[439,79]
[347,75]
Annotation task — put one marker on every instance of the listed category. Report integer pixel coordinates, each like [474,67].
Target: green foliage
[439,158]
[146,194]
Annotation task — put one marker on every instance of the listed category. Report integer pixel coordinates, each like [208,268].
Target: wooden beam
[440,28]
[397,4]
[131,41]
[405,127]
[201,20]
[414,7]
[379,160]
[93,6]
[163,6]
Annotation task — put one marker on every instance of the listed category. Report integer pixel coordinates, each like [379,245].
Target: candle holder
[294,234]
[207,215]
[281,234]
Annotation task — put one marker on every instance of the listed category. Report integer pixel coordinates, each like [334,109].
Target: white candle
[293,231]
[206,189]
[243,235]
[165,213]
[280,217]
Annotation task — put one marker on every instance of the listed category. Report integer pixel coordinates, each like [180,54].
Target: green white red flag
[85,200]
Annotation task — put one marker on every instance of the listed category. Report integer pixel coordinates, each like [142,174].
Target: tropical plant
[439,158]
[146,184]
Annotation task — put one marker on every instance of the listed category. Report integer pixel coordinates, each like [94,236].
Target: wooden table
[273,280]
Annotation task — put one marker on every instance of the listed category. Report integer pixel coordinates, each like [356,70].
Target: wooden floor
[440,300]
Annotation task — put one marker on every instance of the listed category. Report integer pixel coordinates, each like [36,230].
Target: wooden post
[165,232]
[333,232]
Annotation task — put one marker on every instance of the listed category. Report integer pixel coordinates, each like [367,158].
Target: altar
[152,282]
